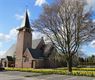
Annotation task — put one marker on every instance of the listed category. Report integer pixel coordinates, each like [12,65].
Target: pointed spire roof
[26,22]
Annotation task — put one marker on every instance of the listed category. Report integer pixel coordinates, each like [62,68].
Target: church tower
[24,40]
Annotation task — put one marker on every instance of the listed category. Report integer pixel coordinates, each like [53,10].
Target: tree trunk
[69,65]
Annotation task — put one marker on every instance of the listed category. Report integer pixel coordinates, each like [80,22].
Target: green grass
[79,69]
[62,71]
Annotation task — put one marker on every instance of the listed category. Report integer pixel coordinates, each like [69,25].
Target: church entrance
[5,64]
[33,64]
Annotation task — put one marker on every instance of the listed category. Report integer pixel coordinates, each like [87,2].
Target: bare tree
[68,25]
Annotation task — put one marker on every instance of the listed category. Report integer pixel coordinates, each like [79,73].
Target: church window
[25,59]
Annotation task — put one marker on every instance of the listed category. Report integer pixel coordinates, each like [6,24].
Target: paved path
[14,75]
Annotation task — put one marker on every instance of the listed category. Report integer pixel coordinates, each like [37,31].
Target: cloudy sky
[11,15]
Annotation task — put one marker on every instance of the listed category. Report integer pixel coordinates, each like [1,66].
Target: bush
[1,69]
[62,71]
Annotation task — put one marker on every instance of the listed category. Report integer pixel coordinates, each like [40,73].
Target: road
[15,75]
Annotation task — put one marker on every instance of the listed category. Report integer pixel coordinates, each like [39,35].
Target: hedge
[63,71]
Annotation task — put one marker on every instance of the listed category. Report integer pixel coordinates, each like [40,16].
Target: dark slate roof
[26,22]
[9,58]
[36,53]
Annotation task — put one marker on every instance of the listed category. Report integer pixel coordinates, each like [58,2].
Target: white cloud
[4,37]
[13,32]
[2,52]
[92,44]
[37,35]
[93,20]
[0,45]
[91,3]
[40,2]
[20,17]
[7,37]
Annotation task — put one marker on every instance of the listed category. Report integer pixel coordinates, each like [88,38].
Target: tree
[67,25]
[91,59]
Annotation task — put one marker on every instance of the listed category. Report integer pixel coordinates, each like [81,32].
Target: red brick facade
[24,41]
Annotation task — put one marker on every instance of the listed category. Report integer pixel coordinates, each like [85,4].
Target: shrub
[63,71]
[1,69]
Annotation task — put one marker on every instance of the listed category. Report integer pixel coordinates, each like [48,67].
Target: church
[29,53]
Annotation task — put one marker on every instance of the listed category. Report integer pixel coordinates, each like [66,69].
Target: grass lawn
[62,71]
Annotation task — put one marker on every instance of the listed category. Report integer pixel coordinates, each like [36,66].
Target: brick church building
[29,53]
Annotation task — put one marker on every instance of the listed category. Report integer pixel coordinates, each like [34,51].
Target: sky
[11,15]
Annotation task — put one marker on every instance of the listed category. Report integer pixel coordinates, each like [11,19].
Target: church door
[33,64]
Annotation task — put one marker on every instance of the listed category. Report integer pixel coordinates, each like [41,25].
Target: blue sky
[11,15]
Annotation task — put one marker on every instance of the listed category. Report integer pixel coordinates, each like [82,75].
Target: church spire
[26,22]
